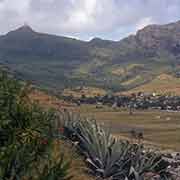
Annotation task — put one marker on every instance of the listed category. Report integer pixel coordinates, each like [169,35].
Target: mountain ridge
[57,62]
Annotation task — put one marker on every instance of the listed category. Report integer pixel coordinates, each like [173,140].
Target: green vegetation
[26,136]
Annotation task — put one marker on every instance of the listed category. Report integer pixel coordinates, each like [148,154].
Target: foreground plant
[56,171]
[109,158]
[26,135]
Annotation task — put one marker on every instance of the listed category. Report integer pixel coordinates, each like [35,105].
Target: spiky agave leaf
[109,157]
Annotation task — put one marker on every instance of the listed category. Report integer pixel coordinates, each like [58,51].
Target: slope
[56,62]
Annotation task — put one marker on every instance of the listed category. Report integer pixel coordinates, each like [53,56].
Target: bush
[26,133]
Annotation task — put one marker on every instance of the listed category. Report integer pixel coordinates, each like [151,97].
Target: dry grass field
[161,129]
[87,91]
[162,84]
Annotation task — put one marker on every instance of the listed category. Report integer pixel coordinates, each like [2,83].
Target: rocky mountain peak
[159,36]
[24,30]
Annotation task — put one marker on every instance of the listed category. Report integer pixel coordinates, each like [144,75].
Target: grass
[132,66]
[118,71]
[78,168]
[160,128]
[87,91]
[164,83]
[135,79]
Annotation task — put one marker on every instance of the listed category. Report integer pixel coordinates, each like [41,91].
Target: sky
[85,19]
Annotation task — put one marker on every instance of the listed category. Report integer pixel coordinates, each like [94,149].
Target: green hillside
[58,62]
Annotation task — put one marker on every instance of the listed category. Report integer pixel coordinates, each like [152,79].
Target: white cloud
[82,15]
[21,6]
[87,18]
[144,22]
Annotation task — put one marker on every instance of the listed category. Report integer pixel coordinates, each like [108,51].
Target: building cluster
[139,101]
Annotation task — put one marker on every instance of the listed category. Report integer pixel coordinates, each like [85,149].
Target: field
[161,129]
[87,91]
[163,84]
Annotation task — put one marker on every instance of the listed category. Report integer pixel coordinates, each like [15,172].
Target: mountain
[25,41]
[59,62]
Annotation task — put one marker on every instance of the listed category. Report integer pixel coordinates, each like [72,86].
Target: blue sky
[85,19]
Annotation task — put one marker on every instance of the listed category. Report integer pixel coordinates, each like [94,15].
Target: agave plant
[97,145]
[109,158]
[144,162]
[69,122]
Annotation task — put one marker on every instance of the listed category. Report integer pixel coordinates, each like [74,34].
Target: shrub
[56,171]
[26,133]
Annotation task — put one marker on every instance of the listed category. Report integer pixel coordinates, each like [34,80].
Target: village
[139,101]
